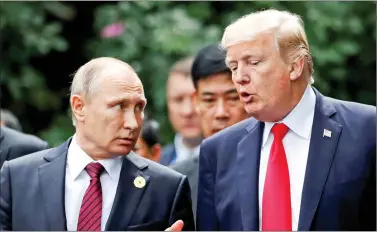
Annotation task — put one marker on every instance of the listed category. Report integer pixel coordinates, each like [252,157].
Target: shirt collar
[182,148]
[77,160]
[300,119]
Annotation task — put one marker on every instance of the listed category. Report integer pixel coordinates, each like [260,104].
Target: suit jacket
[339,191]
[190,168]
[14,144]
[168,154]
[33,189]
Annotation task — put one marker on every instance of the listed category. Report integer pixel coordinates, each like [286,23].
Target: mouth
[245,97]
[126,141]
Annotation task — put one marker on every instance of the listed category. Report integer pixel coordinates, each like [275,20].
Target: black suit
[14,144]
[33,190]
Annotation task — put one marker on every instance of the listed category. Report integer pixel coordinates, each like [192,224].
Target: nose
[221,112]
[130,121]
[241,76]
[187,107]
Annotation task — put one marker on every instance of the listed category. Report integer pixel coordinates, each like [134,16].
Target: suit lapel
[321,153]
[52,182]
[248,155]
[128,196]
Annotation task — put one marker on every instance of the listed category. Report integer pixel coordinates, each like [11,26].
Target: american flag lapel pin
[326,133]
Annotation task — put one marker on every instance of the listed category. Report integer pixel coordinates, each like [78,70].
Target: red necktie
[91,206]
[276,205]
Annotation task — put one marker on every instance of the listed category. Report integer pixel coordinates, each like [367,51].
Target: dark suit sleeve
[5,199]
[206,211]
[182,209]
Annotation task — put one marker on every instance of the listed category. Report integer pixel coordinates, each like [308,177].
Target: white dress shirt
[296,145]
[182,151]
[77,181]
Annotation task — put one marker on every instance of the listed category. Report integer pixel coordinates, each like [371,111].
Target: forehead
[120,85]
[262,44]
[216,83]
[179,84]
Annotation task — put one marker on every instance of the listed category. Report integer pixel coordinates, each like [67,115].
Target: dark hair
[209,60]
[150,132]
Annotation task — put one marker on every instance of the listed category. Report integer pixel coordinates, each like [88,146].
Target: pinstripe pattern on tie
[91,207]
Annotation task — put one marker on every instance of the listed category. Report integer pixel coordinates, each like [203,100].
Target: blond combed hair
[288,28]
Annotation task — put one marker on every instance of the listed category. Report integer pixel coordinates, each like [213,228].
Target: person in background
[182,114]
[14,144]
[148,144]
[216,101]
[304,161]
[9,120]
[93,181]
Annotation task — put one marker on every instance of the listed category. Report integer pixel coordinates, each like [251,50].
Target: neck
[298,91]
[89,147]
[192,142]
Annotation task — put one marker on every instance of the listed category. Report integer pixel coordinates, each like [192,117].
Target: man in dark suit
[148,145]
[94,181]
[14,144]
[304,161]
[182,114]
[8,119]
[216,101]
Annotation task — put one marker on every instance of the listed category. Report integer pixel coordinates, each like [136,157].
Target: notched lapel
[248,156]
[52,182]
[323,145]
[128,196]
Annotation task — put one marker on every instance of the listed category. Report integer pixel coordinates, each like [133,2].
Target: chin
[191,133]
[119,151]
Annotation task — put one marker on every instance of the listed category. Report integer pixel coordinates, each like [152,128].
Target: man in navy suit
[304,161]
[94,182]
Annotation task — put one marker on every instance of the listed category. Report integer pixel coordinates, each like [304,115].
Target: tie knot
[280,130]
[94,170]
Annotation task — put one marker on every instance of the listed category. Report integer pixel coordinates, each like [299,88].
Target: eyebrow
[244,55]
[127,100]
[230,91]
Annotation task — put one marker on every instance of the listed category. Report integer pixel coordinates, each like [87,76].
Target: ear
[156,152]
[297,68]
[77,105]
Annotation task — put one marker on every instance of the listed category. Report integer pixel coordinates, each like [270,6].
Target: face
[261,77]
[143,150]
[182,114]
[111,119]
[218,103]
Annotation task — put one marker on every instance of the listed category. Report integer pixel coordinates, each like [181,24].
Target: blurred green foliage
[26,33]
[342,38]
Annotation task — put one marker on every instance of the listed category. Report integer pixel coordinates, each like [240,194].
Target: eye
[233,68]
[140,107]
[208,100]
[253,62]
[234,98]
[119,106]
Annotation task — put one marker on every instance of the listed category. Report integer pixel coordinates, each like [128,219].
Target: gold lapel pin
[139,182]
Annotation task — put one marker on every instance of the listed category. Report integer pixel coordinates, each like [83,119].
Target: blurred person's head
[107,102]
[268,54]
[179,90]
[9,120]
[216,98]
[148,145]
